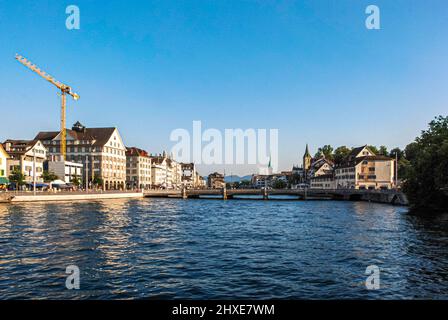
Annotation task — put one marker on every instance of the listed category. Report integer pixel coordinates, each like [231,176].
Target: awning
[38,185]
[4,180]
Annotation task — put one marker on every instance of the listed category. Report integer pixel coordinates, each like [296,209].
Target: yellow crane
[65,89]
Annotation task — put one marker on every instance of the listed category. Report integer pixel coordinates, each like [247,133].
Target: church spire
[306,159]
[307,153]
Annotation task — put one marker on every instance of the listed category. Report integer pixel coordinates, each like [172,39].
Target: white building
[138,168]
[100,150]
[65,170]
[165,172]
[28,156]
[364,170]
[323,181]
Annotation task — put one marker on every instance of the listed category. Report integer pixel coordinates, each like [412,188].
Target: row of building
[98,155]
[361,169]
[94,155]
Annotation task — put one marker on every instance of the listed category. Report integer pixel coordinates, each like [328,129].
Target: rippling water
[173,248]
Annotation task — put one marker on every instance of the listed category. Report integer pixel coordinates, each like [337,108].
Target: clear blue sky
[309,68]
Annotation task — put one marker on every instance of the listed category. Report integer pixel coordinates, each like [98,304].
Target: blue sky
[309,68]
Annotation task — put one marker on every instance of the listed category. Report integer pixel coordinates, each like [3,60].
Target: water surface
[214,249]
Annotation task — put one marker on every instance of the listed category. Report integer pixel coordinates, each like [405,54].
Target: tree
[17,177]
[403,162]
[374,149]
[340,154]
[382,151]
[75,180]
[326,151]
[245,183]
[398,152]
[97,181]
[279,184]
[426,183]
[49,176]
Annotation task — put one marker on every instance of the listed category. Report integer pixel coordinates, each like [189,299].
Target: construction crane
[65,89]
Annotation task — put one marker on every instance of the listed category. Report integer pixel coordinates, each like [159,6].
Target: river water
[214,249]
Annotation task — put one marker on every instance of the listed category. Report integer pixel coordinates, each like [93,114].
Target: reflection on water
[172,248]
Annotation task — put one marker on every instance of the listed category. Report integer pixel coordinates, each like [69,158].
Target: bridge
[382,196]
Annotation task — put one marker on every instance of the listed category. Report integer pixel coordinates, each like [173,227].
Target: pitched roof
[356,151]
[99,135]
[158,159]
[134,152]
[356,161]
[316,163]
[18,147]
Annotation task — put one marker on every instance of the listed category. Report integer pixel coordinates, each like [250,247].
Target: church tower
[306,159]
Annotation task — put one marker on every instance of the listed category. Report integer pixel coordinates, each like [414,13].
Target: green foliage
[426,183]
[326,150]
[17,177]
[374,149]
[340,153]
[382,151]
[76,181]
[97,181]
[49,176]
[397,151]
[279,184]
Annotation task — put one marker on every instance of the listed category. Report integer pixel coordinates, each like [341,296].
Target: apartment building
[165,172]
[28,156]
[100,150]
[323,181]
[363,169]
[138,168]
[216,180]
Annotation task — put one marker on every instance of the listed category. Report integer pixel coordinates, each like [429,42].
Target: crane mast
[65,89]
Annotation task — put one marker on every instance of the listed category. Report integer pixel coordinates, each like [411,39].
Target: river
[215,249]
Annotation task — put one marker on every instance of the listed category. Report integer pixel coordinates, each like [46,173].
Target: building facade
[323,181]
[166,172]
[100,150]
[3,167]
[65,170]
[28,157]
[138,168]
[362,169]
[216,181]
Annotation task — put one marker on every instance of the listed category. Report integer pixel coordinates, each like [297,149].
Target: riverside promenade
[14,197]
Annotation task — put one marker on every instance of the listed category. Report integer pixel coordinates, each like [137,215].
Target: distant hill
[234,178]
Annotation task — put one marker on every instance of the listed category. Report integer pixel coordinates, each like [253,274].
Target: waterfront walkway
[8,197]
